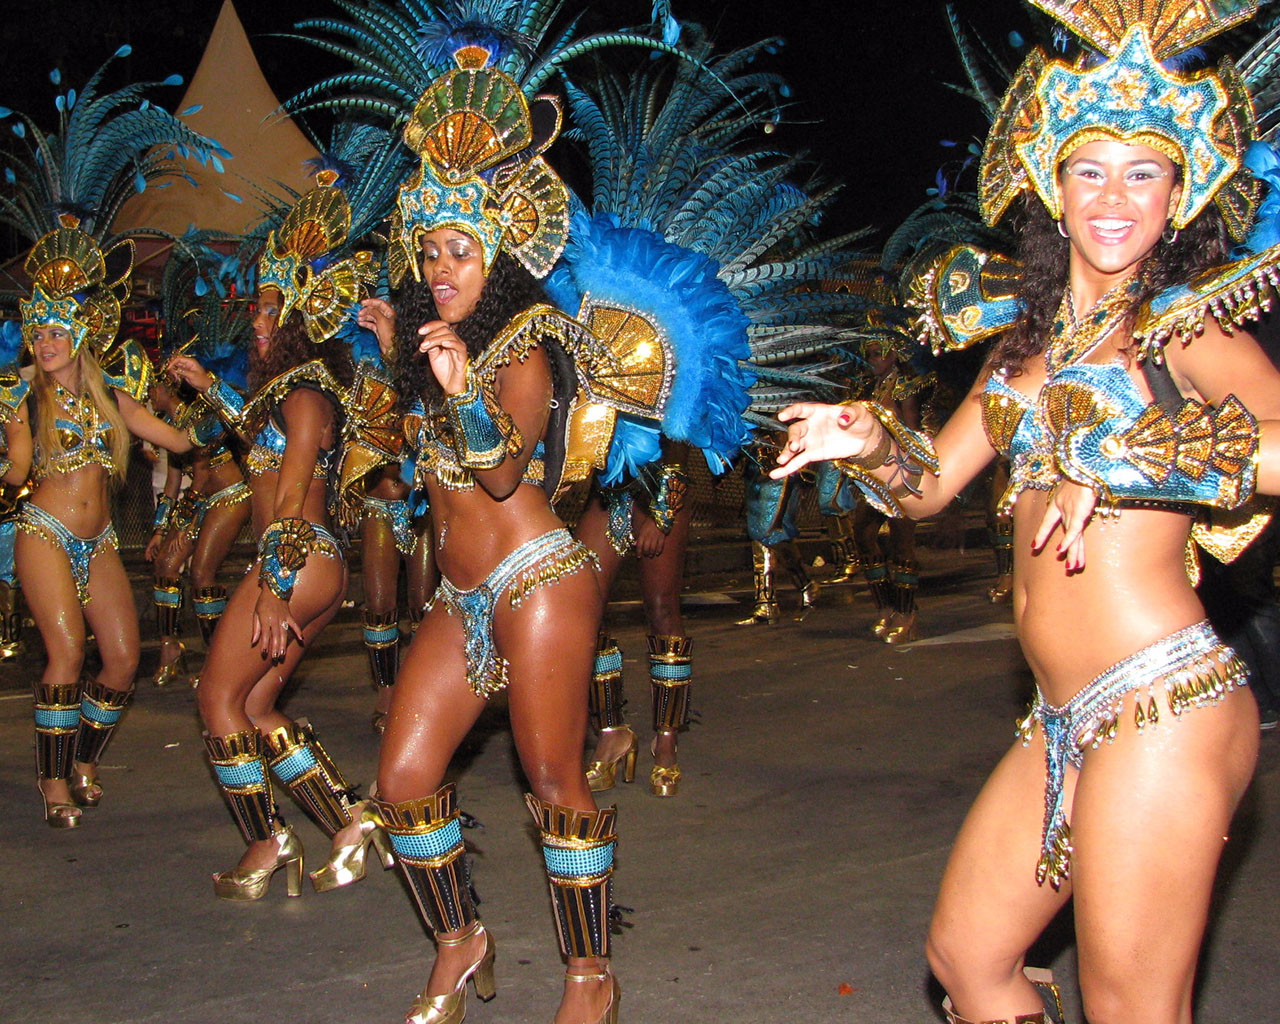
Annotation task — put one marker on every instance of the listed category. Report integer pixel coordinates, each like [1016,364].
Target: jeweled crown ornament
[1203,121]
[299,261]
[481,171]
[69,285]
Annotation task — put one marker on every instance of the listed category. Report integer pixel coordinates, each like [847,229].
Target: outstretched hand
[1071,506]
[819,433]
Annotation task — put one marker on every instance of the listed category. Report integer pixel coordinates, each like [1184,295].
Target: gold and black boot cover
[605,698]
[240,767]
[578,849]
[100,712]
[382,642]
[877,577]
[670,673]
[766,606]
[10,621]
[427,838]
[905,577]
[793,562]
[167,596]
[209,603]
[297,759]
[57,713]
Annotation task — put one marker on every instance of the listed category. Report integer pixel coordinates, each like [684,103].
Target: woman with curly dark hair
[491,368]
[297,373]
[1141,738]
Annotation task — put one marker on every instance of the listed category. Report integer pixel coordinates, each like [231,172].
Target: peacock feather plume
[396,50]
[699,224]
[107,146]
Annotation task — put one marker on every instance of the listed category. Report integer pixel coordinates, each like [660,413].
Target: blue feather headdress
[696,227]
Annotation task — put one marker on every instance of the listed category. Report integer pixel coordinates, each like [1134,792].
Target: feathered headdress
[299,261]
[463,77]
[1202,120]
[66,187]
[692,260]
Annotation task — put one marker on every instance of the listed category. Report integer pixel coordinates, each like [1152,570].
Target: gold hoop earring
[1062,228]
[1169,240]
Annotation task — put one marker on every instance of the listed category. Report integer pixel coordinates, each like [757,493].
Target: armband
[6,464]
[909,451]
[669,499]
[483,432]
[184,513]
[226,401]
[164,512]
[1199,455]
[284,548]
[619,504]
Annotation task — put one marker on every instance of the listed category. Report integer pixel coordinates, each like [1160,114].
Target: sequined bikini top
[1090,424]
[83,432]
[267,453]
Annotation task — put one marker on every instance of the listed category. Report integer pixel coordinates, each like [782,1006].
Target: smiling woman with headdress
[1141,738]
[70,429]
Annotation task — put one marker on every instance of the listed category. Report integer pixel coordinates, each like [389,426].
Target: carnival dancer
[893,578]
[200,524]
[69,424]
[772,508]
[1142,738]
[307,288]
[69,428]
[690,266]
[374,504]
[652,517]
[517,603]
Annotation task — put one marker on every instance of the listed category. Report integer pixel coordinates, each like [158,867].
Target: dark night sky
[868,76]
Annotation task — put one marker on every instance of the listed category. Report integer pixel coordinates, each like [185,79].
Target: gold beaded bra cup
[83,433]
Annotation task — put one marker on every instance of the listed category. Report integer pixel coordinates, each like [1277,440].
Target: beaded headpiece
[70,286]
[480,142]
[299,261]
[1202,120]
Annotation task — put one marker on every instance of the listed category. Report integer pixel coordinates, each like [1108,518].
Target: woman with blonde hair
[70,429]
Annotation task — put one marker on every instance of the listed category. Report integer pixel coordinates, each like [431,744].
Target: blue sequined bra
[1090,424]
[267,452]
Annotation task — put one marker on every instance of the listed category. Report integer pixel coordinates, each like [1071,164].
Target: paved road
[791,879]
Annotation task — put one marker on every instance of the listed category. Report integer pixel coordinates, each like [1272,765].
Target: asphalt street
[790,880]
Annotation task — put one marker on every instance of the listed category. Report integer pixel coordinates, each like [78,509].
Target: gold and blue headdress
[299,260]
[479,141]
[70,286]
[1203,121]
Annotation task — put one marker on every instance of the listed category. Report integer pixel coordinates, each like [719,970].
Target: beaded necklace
[1075,338]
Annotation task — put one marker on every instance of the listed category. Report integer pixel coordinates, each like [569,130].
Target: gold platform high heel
[610,1015]
[451,1008]
[85,789]
[663,781]
[348,861]
[244,884]
[175,670]
[59,815]
[602,775]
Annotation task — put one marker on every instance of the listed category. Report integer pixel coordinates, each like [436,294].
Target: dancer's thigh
[1151,815]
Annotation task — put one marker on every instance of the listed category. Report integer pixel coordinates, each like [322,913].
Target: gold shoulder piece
[127,368]
[313,374]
